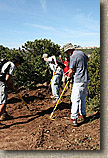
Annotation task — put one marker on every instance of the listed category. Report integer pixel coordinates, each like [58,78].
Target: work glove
[68,78]
[56,65]
[66,73]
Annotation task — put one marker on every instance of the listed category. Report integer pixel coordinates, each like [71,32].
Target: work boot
[55,100]
[82,118]
[2,117]
[73,122]
[52,97]
[5,116]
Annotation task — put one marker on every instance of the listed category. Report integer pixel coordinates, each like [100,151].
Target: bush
[93,95]
[33,70]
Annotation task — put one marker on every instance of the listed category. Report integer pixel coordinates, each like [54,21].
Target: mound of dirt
[34,130]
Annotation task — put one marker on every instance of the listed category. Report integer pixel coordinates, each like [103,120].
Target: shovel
[22,99]
[53,76]
[58,100]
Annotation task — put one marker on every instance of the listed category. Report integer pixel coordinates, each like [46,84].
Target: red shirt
[67,64]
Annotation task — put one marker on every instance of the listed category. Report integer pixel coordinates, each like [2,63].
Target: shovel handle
[53,75]
[59,99]
[21,98]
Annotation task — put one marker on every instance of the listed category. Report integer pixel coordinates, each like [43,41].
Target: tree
[94,75]
[33,70]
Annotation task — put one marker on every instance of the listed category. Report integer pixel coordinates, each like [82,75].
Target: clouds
[64,30]
[4,6]
[86,21]
[63,34]
[43,5]
[40,26]
[55,20]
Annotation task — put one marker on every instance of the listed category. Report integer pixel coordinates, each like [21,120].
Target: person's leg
[83,99]
[52,86]
[80,107]
[3,100]
[79,92]
[75,99]
[55,86]
[63,79]
[3,97]
[2,108]
[66,83]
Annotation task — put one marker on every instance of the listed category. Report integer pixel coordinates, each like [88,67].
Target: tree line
[34,71]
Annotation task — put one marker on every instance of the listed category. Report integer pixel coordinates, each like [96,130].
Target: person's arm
[72,67]
[87,58]
[9,81]
[7,78]
[70,72]
[55,60]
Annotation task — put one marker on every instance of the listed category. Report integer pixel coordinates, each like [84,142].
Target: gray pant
[3,93]
[55,84]
[78,98]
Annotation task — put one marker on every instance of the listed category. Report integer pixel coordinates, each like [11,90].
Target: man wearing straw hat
[78,67]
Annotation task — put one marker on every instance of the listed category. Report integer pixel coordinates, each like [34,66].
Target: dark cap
[66,56]
[18,59]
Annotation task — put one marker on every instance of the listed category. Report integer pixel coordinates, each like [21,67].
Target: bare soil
[34,130]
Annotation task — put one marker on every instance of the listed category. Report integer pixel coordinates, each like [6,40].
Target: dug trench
[34,130]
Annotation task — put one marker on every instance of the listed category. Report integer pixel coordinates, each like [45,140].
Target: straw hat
[68,46]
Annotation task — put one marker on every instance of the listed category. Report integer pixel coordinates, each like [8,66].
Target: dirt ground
[34,130]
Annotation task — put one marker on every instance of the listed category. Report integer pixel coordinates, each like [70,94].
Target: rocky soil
[34,130]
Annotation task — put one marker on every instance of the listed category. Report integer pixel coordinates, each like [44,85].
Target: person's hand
[66,73]
[56,65]
[68,78]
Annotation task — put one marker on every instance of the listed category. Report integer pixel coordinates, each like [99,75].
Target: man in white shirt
[55,83]
[6,73]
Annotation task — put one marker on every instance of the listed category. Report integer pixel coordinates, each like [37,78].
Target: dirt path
[34,130]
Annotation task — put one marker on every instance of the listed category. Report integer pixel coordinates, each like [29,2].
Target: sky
[61,21]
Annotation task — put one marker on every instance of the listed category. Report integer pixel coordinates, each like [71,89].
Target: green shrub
[93,94]
[33,70]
